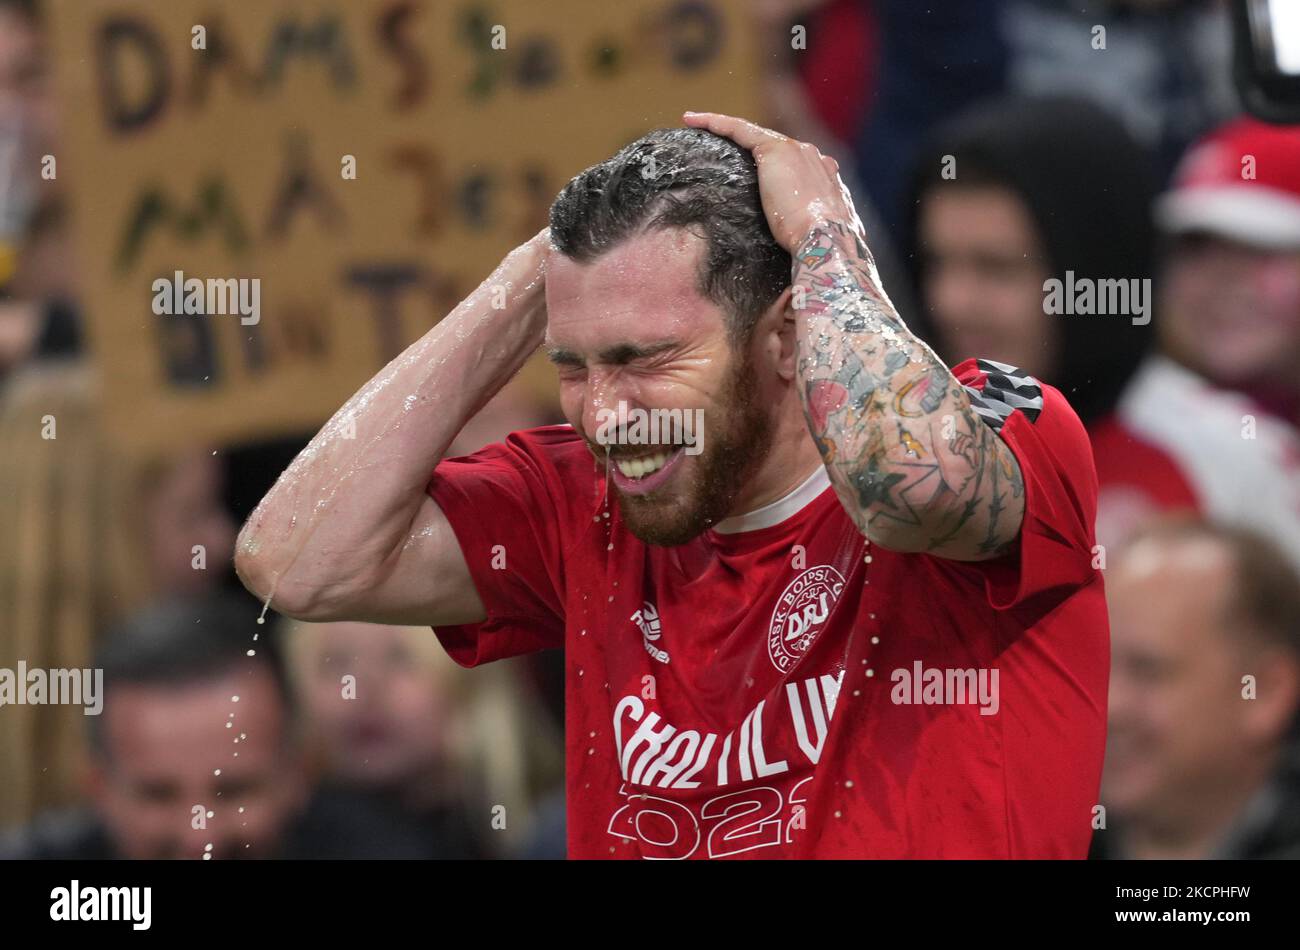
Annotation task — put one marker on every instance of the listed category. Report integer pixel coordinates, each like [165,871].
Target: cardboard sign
[366,164]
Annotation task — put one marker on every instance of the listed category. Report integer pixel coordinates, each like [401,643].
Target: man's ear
[1269,716]
[777,326]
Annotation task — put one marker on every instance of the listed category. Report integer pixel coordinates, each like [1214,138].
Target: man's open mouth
[643,473]
[644,465]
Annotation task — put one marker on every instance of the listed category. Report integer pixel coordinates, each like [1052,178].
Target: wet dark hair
[1088,187]
[186,641]
[681,178]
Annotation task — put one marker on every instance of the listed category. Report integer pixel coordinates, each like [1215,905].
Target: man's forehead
[645,287]
[142,713]
[1177,590]
[646,254]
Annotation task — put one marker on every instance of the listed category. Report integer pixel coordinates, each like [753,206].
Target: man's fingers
[741,131]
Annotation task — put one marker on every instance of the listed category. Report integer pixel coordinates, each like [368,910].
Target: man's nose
[955,296]
[606,390]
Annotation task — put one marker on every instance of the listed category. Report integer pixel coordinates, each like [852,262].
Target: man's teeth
[641,467]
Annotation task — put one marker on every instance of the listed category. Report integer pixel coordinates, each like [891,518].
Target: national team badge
[800,614]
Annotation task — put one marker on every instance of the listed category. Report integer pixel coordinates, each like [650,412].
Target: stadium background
[371,161]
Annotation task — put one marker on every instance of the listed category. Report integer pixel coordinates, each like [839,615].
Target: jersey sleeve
[1054,550]
[509,505]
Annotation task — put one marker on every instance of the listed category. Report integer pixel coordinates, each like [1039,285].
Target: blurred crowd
[991,146]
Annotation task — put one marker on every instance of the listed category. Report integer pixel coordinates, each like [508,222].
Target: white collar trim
[779,510]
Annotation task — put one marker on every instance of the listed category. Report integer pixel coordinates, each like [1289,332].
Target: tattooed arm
[913,464]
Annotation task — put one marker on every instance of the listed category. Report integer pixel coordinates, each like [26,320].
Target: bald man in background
[1202,762]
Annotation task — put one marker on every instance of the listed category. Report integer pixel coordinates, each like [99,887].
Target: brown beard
[740,434]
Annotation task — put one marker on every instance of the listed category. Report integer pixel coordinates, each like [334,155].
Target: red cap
[1242,182]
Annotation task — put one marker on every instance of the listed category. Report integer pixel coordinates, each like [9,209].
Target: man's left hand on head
[801,188]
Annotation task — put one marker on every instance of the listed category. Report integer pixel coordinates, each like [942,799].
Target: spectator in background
[90,536]
[188,721]
[1009,195]
[1056,189]
[1231,309]
[1202,762]
[388,716]
[172,738]
[1201,425]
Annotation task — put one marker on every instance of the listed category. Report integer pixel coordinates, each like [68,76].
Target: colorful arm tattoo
[914,466]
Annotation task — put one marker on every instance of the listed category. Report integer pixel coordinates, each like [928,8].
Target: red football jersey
[779,688]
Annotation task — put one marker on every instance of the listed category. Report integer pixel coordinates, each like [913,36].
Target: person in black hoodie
[1011,195]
